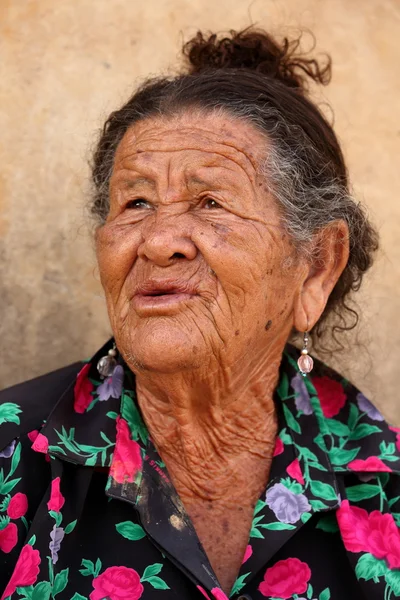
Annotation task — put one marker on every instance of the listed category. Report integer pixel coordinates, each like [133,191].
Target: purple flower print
[286,505]
[112,386]
[57,536]
[366,406]
[8,451]
[302,399]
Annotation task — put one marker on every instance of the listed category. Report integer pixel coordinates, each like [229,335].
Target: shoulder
[353,431]
[25,406]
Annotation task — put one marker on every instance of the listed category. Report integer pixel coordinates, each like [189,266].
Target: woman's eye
[138,203]
[211,203]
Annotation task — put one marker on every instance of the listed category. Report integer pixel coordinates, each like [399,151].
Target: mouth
[161,297]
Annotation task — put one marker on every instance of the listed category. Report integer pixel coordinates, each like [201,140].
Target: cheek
[116,250]
[242,257]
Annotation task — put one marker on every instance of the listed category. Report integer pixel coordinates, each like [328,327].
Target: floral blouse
[88,511]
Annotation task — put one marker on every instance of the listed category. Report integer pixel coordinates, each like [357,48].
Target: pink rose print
[219,594]
[41,444]
[83,390]
[279,447]
[57,500]
[203,591]
[331,395]
[294,471]
[285,578]
[384,538]
[372,463]
[8,537]
[353,524]
[25,572]
[117,583]
[32,435]
[375,533]
[247,554]
[397,431]
[127,457]
[17,506]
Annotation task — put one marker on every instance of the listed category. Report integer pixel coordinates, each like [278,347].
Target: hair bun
[255,49]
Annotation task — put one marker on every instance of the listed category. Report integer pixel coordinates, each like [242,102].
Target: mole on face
[268,325]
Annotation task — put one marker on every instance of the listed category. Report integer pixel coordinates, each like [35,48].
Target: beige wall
[64,64]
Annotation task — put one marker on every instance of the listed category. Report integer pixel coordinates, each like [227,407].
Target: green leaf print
[305,517]
[4,504]
[393,580]
[283,388]
[323,490]
[25,591]
[325,594]
[151,570]
[259,506]
[112,415]
[363,430]
[132,416]
[150,576]
[60,582]
[15,459]
[70,527]
[130,531]
[362,491]
[97,567]
[354,415]
[9,413]
[239,584]
[77,596]
[32,540]
[337,428]
[306,453]
[285,437]
[41,591]
[342,457]
[277,526]
[157,583]
[8,486]
[310,591]
[368,567]
[88,569]
[57,516]
[328,524]
[4,521]
[290,420]
[318,505]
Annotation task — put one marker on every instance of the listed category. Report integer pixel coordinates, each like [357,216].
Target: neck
[214,428]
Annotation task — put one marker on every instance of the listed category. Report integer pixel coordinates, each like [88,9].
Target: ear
[330,253]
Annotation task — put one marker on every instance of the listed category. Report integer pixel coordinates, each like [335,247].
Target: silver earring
[107,364]
[305,362]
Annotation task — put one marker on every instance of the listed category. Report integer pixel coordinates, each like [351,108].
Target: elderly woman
[198,454]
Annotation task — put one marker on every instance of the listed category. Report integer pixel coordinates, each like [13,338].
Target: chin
[163,347]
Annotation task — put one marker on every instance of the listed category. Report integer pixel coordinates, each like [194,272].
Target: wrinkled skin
[189,207]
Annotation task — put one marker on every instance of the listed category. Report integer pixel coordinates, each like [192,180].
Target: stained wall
[65,65]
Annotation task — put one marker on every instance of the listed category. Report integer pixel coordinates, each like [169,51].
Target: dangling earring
[107,364]
[305,362]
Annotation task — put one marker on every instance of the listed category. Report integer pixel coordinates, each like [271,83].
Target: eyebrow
[132,183]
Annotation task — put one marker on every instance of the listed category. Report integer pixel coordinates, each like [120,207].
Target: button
[244,597]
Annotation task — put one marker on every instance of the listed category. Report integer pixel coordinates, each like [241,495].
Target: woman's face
[193,259]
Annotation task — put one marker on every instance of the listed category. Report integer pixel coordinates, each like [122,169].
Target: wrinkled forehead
[214,138]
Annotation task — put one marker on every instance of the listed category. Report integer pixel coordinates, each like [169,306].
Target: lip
[161,297]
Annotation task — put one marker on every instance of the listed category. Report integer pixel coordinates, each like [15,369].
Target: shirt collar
[314,419]
[320,437]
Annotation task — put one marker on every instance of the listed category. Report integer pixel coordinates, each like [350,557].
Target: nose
[166,241]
